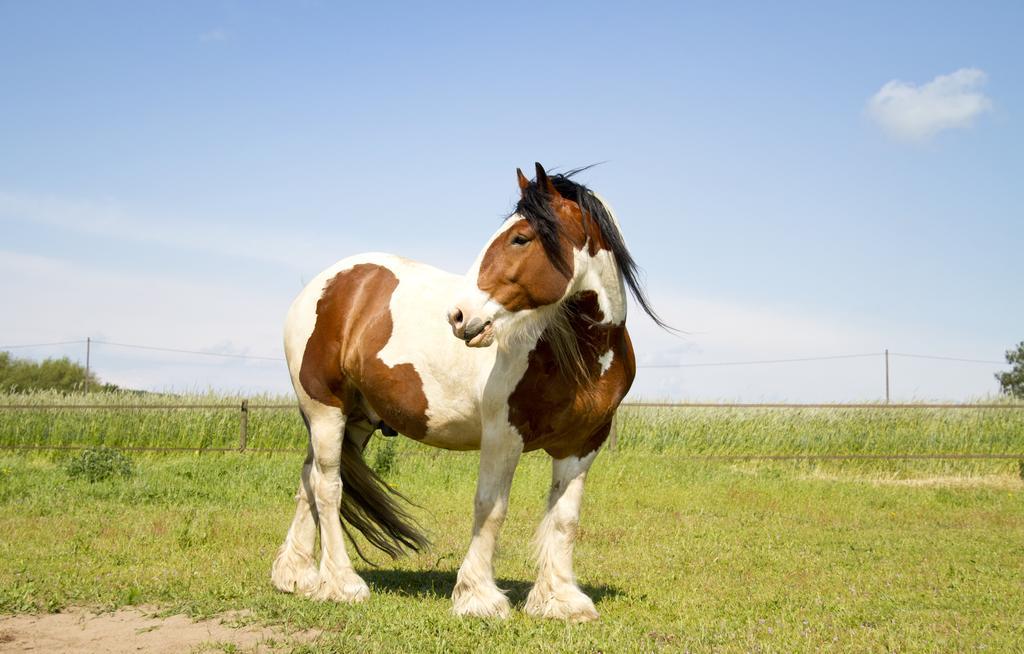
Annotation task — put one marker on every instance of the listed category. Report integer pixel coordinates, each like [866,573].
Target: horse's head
[528,265]
[538,258]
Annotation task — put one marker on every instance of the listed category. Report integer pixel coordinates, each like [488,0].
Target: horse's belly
[454,433]
[452,421]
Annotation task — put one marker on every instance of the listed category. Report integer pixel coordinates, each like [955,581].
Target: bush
[25,376]
[384,458]
[1012,382]
[100,463]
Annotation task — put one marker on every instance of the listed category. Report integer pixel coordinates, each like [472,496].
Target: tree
[23,375]
[1012,383]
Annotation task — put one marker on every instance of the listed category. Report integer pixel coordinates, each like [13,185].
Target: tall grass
[877,430]
[213,421]
[147,420]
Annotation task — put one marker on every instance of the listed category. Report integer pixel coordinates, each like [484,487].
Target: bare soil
[996,482]
[137,630]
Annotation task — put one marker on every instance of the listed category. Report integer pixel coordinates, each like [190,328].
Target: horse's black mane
[535,207]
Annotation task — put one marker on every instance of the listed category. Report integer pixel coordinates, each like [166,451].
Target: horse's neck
[587,326]
[578,332]
[600,276]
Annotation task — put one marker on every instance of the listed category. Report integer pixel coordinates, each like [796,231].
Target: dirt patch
[998,482]
[136,630]
[1001,482]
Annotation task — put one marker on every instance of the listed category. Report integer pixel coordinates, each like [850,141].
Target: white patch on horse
[599,273]
[452,374]
[606,361]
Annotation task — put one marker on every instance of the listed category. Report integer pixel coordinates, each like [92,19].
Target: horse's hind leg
[555,594]
[338,581]
[294,568]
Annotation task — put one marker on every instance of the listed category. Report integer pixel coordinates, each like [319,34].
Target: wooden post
[886,375]
[243,428]
[613,436]
[88,347]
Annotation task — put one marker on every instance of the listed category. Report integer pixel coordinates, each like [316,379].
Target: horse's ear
[545,182]
[523,182]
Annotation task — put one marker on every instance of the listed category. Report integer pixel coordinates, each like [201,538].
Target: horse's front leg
[555,594]
[475,592]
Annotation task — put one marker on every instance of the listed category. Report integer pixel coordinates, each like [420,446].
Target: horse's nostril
[457,316]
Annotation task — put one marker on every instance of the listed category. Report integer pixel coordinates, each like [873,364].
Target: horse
[529,350]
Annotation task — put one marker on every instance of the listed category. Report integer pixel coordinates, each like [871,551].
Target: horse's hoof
[480,603]
[566,603]
[348,588]
[293,573]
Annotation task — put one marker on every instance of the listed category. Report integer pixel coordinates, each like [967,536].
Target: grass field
[678,554]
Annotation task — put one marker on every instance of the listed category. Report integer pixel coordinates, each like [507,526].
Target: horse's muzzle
[476,332]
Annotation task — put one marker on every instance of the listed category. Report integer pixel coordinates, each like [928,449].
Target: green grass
[679,555]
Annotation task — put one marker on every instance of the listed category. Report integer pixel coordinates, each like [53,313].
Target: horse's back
[369,335]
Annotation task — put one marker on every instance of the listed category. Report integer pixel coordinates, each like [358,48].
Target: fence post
[613,437]
[243,428]
[886,375]
[88,347]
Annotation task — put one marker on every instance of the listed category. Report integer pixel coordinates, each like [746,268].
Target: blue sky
[172,173]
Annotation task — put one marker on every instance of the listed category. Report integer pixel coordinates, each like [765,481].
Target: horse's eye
[519,239]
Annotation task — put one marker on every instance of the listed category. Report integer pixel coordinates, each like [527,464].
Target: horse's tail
[373,507]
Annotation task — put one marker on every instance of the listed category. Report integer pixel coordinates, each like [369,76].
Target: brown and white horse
[542,312]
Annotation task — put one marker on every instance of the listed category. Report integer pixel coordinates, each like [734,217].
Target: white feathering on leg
[555,593]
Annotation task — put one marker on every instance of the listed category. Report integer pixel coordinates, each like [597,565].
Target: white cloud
[917,113]
[218,35]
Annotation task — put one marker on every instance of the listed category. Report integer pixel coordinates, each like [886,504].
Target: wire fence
[244,408]
[89,341]
[865,388]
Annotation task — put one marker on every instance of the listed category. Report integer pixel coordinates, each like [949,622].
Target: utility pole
[88,347]
[886,375]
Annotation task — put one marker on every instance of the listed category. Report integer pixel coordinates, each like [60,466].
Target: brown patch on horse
[341,363]
[522,276]
[566,414]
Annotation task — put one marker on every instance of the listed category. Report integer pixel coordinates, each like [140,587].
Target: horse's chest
[567,414]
